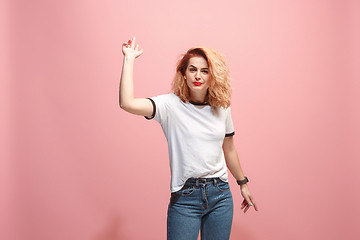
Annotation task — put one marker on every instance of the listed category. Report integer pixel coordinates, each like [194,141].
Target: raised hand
[131,50]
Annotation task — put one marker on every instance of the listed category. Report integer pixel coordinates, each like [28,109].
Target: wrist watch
[241,182]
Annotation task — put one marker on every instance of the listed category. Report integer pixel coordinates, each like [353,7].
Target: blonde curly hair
[219,91]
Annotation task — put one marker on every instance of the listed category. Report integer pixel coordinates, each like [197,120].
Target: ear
[184,77]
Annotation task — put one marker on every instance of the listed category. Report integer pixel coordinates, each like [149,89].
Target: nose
[197,75]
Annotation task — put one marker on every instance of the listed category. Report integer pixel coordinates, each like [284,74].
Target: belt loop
[215,182]
[197,182]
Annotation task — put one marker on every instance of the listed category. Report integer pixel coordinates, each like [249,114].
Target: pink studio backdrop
[76,167]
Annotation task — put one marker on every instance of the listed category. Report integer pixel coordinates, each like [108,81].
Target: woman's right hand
[130,50]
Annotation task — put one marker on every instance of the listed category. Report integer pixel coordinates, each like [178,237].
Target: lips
[197,83]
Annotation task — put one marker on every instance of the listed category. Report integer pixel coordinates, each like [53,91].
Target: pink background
[75,166]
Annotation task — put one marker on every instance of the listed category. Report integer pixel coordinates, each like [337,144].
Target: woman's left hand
[248,199]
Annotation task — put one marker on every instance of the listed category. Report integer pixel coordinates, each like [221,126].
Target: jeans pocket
[223,186]
[186,190]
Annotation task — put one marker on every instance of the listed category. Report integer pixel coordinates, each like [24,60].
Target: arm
[138,106]
[233,164]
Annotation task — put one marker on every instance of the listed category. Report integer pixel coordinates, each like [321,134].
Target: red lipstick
[197,83]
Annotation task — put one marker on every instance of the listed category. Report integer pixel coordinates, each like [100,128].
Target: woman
[196,120]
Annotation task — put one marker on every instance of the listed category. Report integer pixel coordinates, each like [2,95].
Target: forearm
[233,164]
[126,89]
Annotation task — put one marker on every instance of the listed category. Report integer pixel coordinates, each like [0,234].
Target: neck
[199,97]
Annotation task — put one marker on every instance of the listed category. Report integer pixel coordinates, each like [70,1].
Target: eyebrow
[196,67]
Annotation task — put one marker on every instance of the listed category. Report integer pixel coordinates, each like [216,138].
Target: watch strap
[241,182]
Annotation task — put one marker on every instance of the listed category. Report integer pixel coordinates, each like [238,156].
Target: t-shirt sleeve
[229,126]
[160,107]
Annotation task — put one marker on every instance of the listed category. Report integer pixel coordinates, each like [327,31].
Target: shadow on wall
[112,229]
[240,232]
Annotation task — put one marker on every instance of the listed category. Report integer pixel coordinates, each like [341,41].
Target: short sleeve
[160,106]
[229,126]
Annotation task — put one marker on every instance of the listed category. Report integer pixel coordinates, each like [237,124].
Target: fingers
[133,43]
[255,206]
[245,206]
[130,43]
[247,203]
[127,44]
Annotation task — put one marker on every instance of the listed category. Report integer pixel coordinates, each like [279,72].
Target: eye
[192,69]
[205,71]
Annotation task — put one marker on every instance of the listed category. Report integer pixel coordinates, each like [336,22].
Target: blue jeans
[203,204]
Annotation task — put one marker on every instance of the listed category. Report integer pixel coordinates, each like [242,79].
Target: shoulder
[172,97]
[227,110]
[224,110]
[223,113]
[166,99]
[167,95]
[162,97]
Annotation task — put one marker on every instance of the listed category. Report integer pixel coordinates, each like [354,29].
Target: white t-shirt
[195,134]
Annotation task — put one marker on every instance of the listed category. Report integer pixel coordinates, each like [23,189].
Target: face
[197,75]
